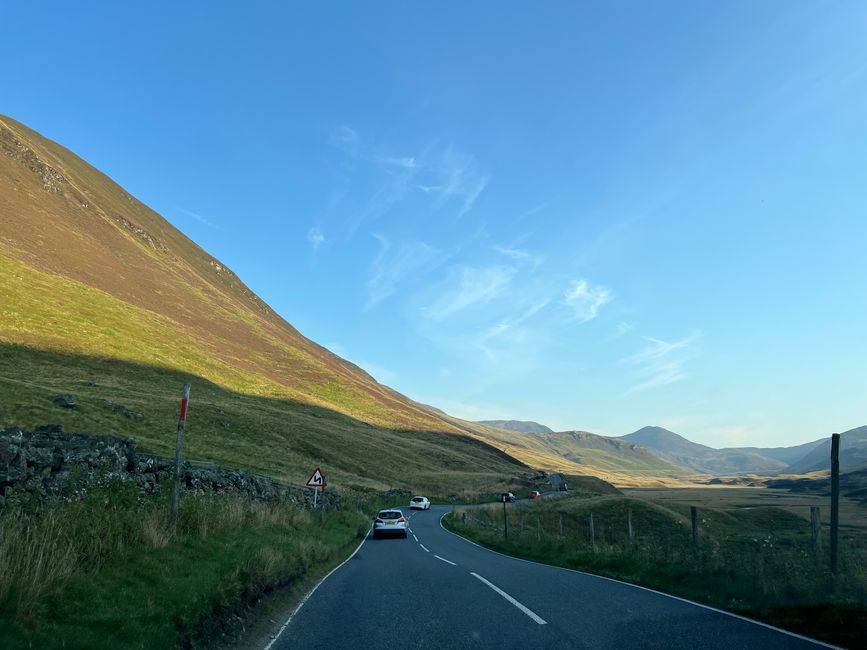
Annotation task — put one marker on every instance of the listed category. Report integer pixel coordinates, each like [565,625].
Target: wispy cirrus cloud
[660,363]
[622,329]
[470,286]
[451,175]
[315,237]
[453,179]
[585,300]
[518,255]
[346,139]
[510,332]
[394,264]
[199,218]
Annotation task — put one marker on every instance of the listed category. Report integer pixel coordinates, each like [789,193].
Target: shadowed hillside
[92,273]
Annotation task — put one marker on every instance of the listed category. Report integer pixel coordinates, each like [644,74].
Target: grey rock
[65,400]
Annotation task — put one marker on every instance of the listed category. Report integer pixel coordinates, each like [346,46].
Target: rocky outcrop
[51,463]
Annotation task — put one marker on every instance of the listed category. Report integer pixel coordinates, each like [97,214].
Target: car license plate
[389,523]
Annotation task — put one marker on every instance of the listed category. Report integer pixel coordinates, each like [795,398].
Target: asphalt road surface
[437,590]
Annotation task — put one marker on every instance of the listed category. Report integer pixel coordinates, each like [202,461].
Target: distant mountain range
[524,426]
[853,453]
[680,455]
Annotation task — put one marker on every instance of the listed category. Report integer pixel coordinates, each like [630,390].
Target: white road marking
[310,593]
[424,547]
[445,560]
[527,611]
[415,538]
[653,591]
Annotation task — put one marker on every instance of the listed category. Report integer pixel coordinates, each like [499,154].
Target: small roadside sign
[317,479]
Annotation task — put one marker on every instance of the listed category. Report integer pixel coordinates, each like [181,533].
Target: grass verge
[758,562]
[104,573]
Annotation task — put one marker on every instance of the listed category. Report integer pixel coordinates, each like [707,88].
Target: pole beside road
[179,443]
[835,498]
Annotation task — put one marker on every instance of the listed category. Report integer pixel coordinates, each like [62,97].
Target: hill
[522,426]
[103,298]
[609,454]
[853,453]
[787,455]
[676,449]
[666,441]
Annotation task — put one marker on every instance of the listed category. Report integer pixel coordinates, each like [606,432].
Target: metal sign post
[317,482]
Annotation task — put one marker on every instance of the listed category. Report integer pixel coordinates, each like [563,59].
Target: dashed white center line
[424,547]
[526,610]
[445,560]
[415,538]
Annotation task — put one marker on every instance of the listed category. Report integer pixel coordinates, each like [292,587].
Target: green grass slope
[90,273]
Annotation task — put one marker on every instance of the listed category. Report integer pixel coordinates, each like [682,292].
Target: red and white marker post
[176,488]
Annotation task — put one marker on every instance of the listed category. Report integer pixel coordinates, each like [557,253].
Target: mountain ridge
[523,426]
[99,276]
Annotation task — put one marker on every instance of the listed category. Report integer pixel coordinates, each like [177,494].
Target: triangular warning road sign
[317,479]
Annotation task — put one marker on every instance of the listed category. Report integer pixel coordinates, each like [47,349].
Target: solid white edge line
[653,591]
[445,560]
[315,587]
[424,547]
[526,610]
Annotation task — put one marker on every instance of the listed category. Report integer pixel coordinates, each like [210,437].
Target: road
[437,590]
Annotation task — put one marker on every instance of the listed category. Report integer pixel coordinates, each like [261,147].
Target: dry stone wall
[50,463]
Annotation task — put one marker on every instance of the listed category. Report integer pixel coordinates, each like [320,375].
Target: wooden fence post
[505,521]
[815,524]
[592,533]
[179,443]
[629,526]
[561,524]
[835,498]
[693,515]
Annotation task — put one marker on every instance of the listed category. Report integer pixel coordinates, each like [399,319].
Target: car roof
[419,497]
[392,510]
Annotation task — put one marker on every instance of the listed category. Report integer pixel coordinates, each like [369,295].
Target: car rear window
[418,499]
[389,514]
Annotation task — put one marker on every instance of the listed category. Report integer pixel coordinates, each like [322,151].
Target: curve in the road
[439,590]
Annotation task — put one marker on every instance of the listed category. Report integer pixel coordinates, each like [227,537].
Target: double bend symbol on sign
[317,479]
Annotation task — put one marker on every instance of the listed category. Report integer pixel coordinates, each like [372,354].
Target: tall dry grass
[42,548]
[34,557]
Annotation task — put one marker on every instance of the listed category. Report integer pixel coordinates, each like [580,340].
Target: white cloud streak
[585,300]
[470,286]
[315,238]
[661,363]
[395,264]
[199,218]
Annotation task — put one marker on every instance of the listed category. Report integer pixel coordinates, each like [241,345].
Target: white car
[390,522]
[419,503]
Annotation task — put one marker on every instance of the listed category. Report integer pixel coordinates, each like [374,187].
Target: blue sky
[594,215]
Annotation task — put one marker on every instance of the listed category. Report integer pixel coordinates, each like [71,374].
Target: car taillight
[402,520]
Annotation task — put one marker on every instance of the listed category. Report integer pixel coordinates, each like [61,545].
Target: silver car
[390,522]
